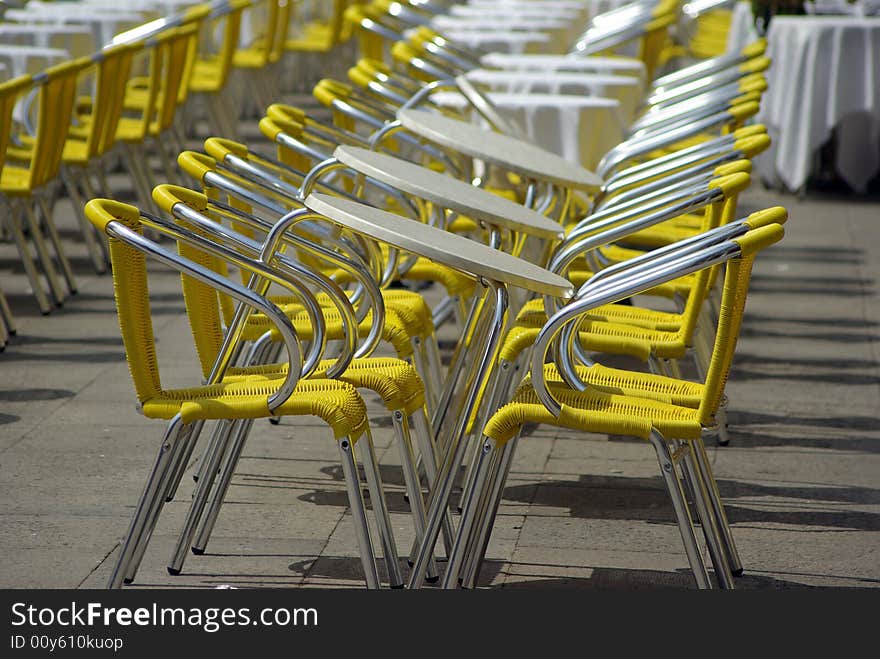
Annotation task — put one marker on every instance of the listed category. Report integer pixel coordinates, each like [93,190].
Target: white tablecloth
[825,75]
[558,30]
[560,63]
[625,89]
[105,24]
[592,7]
[78,40]
[579,128]
[30,59]
[506,41]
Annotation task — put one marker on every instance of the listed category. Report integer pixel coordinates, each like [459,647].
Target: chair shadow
[30,395]
[343,568]
[645,499]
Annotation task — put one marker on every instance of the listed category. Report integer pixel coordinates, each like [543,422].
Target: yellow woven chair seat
[532,315]
[337,403]
[453,281]
[75,152]
[409,307]
[399,328]
[595,411]
[423,269]
[632,383]
[130,130]
[207,76]
[462,224]
[20,152]
[254,57]
[659,235]
[315,37]
[15,180]
[519,339]
[395,380]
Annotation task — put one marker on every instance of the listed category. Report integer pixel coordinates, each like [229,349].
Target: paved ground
[801,477]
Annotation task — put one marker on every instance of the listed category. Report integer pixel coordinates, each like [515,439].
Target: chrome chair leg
[183,462]
[200,497]
[209,518]
[469,514]
[140,547]
[89,235]
[430,459]
[150,493]
[359,513]
[380,509]
[27,260]
[707,520]
[682,514]
[43,255]
[55,239]
[475,560]
[411,480]
[702,458]
[6,314]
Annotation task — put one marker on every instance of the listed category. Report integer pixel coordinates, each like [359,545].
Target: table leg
[439,501]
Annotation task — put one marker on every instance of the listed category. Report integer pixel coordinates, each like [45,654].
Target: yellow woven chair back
[111,70]
[132,297]
[177,52]
[653,43]
[281,27]
[203,302]
[737,276]
[716,214]
[10,92]
[56,96]
[269,19]
[211,70]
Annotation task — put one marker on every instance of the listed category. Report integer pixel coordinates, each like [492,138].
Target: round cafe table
[510,153]
[448,192]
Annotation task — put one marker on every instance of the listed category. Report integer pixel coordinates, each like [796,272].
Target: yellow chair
[150,107]
[31,169]
[210,72]
[93,134]
[257,60]
[675,431]
[394,380]
[408,325]
[9,91]
[311,39]
[337,403]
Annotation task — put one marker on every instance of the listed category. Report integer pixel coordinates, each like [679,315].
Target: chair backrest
[132,296]
[737,276]
[228,20]
[736,255]
[10,92]
[176,48]
[56,96]
[280,28]
[112,71]
[128,249]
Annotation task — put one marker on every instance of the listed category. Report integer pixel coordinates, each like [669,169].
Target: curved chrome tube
[613,291]
[282,323]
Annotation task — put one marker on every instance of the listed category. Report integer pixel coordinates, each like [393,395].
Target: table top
[441,246]
[501,150]
[448,192]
